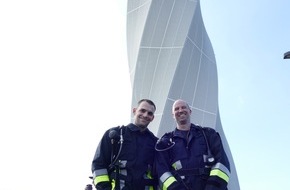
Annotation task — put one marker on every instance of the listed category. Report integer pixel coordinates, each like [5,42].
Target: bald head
[179,103]
[181,113]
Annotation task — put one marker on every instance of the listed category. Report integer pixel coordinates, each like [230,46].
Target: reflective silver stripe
[122,183]
[165,176]
[100,172]
[123,172]
[177,165]
[222,167]
[122,163]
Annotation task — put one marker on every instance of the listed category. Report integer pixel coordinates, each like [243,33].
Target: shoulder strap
[204,132]
[118,134]
[210,160]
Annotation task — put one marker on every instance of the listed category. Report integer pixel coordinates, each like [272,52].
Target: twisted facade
[171,57]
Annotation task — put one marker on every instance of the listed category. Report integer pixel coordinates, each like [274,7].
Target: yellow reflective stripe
[174,166]
[149,188]
[102,178]
[219,173]
[148,176]
[222,167]
[177,165]
[168,182]
[113,184]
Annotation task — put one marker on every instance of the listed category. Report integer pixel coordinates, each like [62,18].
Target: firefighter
[125,155]
[191,157]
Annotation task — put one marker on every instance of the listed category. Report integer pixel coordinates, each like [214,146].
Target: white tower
[171,57]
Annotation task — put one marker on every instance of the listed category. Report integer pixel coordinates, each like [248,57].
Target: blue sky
[64,81]
[249,39]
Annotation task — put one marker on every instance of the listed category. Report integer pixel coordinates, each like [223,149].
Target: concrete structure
[171,57]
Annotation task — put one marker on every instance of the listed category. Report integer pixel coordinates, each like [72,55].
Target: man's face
[181,112]
[143,115]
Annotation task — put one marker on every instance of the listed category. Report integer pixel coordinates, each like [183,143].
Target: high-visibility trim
[100,175]
[220,174]
[100,172]
[165,176]
[148,176]
[121,183]
[102,178]
[222,168]
[168,182]
[113,183]
[177,165]
[123,164]
[149,188]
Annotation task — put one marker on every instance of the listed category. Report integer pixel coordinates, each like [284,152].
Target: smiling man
[191,157]
[125,155]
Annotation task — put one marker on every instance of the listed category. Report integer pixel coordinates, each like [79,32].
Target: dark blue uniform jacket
[136,156]
[184,166]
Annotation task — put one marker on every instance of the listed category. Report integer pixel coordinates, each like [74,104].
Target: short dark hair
[148,101]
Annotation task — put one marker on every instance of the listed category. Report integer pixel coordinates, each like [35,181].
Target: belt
[193,171]
[143,182]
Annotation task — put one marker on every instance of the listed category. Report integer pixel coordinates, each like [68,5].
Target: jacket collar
[135,128]
[193,131]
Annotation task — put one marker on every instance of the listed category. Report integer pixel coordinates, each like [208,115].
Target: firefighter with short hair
[125,155]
